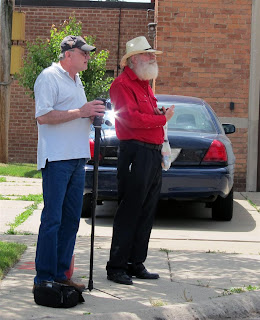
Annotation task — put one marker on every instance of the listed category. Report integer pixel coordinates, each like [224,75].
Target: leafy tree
[42,52]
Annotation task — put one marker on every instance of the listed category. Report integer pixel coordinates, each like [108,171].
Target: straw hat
[135,46]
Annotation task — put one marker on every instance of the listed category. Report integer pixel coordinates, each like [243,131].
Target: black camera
[99,120]
[106,103]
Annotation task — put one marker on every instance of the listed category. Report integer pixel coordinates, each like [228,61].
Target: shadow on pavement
[197,217]
[193,216]
[185,276]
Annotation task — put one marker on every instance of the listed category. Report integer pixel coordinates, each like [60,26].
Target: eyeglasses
[83,53]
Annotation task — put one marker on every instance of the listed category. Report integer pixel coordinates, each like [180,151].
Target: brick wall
[102,23]
[206,48]
[22,142]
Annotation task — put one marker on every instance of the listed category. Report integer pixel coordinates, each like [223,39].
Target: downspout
[118,41]
[153,25]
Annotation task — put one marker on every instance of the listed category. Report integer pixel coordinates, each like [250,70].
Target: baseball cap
[71,42]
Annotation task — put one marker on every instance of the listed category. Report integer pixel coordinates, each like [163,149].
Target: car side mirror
[228,128]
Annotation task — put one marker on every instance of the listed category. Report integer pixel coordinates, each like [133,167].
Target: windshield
[190,117]
[187,117]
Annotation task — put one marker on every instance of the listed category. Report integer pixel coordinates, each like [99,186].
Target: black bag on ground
[56,295]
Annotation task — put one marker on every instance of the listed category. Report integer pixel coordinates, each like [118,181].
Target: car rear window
[190,117]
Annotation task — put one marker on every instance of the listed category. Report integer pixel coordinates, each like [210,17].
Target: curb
[240,305]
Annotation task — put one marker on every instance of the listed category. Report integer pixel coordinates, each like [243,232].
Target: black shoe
[120,277]
[143,274]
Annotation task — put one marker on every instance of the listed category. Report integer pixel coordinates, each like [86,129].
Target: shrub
[42,52]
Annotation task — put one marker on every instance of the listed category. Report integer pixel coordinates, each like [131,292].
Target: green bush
[42,52]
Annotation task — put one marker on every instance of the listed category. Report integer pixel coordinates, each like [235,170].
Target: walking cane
[97,125]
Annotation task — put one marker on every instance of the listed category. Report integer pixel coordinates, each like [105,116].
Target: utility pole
[6,13]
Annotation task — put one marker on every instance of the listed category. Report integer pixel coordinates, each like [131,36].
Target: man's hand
[158,111]
[88,110]
[92,109]
[168,113]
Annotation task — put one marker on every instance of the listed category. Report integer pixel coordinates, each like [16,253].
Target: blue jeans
[63,185]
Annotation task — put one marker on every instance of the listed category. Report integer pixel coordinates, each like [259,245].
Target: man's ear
[133,59]
[68,54]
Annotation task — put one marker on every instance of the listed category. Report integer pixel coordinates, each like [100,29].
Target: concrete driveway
[197,259]
[188,227]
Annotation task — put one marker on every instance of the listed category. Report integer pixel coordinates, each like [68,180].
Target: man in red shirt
[139,127]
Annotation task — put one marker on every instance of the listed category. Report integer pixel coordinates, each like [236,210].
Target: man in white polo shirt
[64,118]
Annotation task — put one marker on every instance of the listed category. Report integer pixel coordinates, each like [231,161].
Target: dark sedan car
[202,160]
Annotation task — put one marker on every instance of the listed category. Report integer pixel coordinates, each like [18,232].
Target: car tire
[86,206]
[222,208]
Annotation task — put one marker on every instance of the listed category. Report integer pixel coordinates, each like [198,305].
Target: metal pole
[6,13]
[97,124]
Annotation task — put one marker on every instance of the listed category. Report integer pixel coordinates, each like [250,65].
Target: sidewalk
[192,280]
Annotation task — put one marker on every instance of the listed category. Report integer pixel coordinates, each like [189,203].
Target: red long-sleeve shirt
[134,105]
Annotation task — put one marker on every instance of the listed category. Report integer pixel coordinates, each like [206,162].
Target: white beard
[146,70]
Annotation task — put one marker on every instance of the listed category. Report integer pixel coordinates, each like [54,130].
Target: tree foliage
[42,52]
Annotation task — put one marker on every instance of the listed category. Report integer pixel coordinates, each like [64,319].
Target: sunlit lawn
[27,170]
[10,253]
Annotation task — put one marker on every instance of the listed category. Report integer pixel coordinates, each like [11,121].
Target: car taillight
[92,147]
[216,153]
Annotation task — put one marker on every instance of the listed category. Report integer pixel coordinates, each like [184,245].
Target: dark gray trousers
[139,185]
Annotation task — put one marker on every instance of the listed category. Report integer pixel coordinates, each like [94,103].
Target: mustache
[147,70]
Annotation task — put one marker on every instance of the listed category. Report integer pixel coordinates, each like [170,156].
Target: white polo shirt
[54,89]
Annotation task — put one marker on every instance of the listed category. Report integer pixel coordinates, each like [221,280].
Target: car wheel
[86,206]
[222,209]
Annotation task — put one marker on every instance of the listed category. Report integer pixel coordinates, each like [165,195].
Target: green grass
[253,204]
[240,289]
[26,170]
[31,197]
[165,250]
[10,253]
[19,219]
[157,302]
[4,197]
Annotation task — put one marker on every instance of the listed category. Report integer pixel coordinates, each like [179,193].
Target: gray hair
[62,55]
[129,62]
